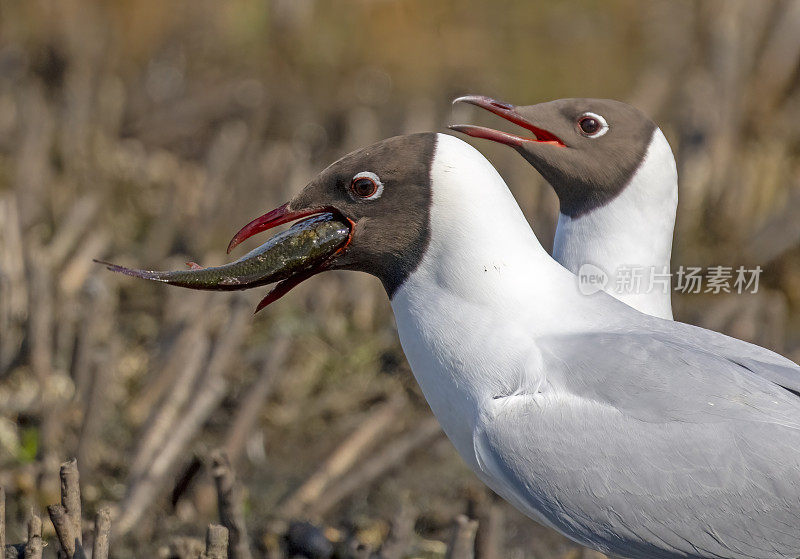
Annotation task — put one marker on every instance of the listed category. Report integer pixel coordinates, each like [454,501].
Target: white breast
[468,315]
[630,236]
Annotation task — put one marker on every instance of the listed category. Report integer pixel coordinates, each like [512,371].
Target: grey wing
[640,447]
[761,361]
[658,377]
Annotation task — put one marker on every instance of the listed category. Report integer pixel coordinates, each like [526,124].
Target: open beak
[279,216]
[508,112]
[288,258]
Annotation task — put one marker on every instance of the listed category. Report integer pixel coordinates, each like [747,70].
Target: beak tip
[487,103]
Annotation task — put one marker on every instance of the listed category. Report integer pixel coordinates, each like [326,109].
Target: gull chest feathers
[479,285]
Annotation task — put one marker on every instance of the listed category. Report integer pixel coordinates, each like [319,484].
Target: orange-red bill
[285,286]
[509,113]
[276,217]
[490,134]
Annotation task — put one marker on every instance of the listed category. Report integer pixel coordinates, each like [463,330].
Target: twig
[231,508]
[189,332]
[163,421]
[33,549]
[231,336]
[462,543]
[40,321]
[342,459]
[246,417]
[142,493]
[216,542]
[209,393]
[71,496]
[378,464]
[2,520]
[779,57]
[244,420]
[13,283]
[70,544]
[102,533]
[485,510]
[97,400]
[71,230]
[34,526]
[400,533]
[74,273]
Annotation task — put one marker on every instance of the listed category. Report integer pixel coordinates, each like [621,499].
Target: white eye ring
[603,125]
[372,177]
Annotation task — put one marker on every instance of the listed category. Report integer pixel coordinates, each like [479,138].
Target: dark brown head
[587,149]
[384,192]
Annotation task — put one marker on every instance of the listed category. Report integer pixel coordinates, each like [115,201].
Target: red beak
[509,113]
[276,217]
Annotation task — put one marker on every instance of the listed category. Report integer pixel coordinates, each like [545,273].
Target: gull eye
[366,186]
[592,125]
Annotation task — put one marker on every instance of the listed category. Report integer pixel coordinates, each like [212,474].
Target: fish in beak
[303,250]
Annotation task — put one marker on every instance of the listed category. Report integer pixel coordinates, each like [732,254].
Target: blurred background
[147,132]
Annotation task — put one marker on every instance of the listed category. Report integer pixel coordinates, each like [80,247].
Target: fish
[300,251]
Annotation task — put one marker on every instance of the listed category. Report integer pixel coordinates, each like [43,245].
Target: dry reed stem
[191,342]
[71,496]
[71,230]
[488,538]
[462,542]
[14,303]
[163,421]
[34,545]
[343,458]
[97,405]
[2,520]
[231,336]
[102,533]
[76,271]
[383,460]
[231,507]
[249,410]
[34,526]
[400,534]
[208,394]
[145,489]
[216,542]
[64,530]
[41,316]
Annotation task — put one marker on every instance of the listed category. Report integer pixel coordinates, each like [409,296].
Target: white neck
[631,235]
[484,281]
